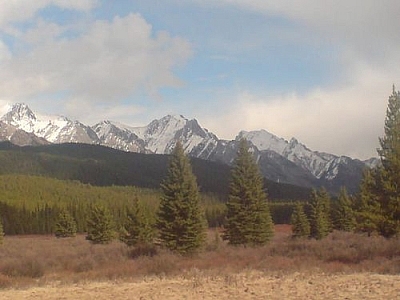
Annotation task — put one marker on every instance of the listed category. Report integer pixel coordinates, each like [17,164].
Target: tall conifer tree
[138,229]
[299,221]
[248,220]
[389,153]
[368,212]
[320,223]
[65,226]
[100,225]
[343,213]
[181,221]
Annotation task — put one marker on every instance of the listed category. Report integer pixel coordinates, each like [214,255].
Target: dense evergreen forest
[36,183]
[31,204]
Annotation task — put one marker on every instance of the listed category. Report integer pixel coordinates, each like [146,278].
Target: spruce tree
[100,225]
[319,217]
[137,229]
[65,226]
[300,223]
[343,213]
[368,212]
[181,221]
[248,220]
[389,153]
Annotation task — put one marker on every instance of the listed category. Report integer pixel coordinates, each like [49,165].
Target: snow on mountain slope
[19,137]
[55,129]
[264,140]
[119,137]
[161,135]
[294,151]
[280,160]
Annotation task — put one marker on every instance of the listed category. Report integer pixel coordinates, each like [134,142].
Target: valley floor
[245,285]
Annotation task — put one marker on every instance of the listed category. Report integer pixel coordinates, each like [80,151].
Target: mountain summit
[54,129]
[279,160]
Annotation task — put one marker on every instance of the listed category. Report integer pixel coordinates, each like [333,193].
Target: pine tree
[100,225]
[248,220]
[181,221]
[300,223]
[390,171]
[319,218]
[368,212]
[137,229]
[343,214]
[65,226]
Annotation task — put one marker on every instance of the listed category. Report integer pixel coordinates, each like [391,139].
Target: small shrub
[84,265]
[25,268]
[143,250]
[161,265]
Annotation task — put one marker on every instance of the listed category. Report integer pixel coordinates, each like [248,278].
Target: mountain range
[279,160]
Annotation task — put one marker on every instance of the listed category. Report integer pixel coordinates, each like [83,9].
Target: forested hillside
[36,183]
[31,204]
[103,166]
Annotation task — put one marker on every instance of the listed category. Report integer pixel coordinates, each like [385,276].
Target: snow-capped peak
[21,116]
[161,135]
[264,140]
[293,150]
[55,129]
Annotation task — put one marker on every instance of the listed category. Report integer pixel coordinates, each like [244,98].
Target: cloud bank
[346,116]
[106,62]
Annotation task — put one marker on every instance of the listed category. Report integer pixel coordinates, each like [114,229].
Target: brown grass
[38,260]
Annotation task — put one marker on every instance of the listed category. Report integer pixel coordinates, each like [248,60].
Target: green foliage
[368,213]
[180,220]
[379,201]
[248,220]
[138,228]
[343,213]
[320,223]
[281,211]
[300,223]
[32,204]
[65,226]
[100,226]
[390,171]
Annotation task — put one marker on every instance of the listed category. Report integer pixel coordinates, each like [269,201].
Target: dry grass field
[342,266]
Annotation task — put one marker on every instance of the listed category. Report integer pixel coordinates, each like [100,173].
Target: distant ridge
[279,160]
[104,166]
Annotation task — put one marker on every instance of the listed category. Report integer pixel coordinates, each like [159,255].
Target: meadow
[30,264]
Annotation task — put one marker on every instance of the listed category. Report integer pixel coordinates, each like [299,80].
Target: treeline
[32,204]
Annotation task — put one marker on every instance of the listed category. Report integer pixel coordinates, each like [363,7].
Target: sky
[319,71]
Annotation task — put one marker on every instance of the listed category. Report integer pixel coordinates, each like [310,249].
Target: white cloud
[110,61]
[345,116]
[368,27]
[345,120]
